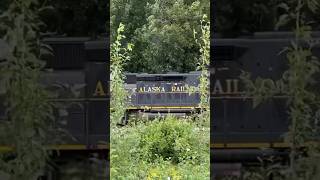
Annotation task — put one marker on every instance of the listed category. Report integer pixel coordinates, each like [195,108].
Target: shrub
[169,139]
[169,147]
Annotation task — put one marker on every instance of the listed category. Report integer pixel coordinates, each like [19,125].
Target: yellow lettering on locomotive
[231,86]
[99,90]
[177,89]
[156,89]
[141,90]
[151,89]
[235,86]
[217,89]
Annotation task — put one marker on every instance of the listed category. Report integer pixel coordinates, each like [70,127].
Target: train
[240,133]
[79,65]
[154,95]
[77,70]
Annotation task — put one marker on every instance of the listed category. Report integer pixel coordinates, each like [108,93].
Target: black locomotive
[239,132]
[154,94]
[79,68]
[77,71]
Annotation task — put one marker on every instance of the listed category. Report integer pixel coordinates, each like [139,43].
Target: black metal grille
[70,55]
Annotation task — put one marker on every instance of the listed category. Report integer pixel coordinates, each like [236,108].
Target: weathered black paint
[98,122]
[233,118]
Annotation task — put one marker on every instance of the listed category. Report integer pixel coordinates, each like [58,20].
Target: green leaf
[283,20]
[284,6]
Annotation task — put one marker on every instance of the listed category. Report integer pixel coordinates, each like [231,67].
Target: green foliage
[162,32]
[72,17]
[264,88]
[168,34]
[119,56]
[203,64]
[3,7]
[132,13]
[297,84]
[76,17]
[28,111]
[169,140]
[160,149]
[81,168]
[235,18]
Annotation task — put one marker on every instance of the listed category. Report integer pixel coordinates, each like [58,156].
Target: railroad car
[77,70]
[239,132]
[151,95]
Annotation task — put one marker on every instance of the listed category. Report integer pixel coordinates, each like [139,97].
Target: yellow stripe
[5,148]
[249,145]
[217,145]
[173,107]
[77,147]
[62,147]
[241,97]
[68,147]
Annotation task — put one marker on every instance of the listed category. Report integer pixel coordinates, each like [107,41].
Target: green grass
[170,147]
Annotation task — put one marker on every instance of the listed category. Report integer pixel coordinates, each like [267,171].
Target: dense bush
[169,140]
[159,149]
[162,32]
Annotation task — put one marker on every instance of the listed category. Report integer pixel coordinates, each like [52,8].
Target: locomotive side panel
[239,122]
[69,87]
[97,92]
[164,91]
